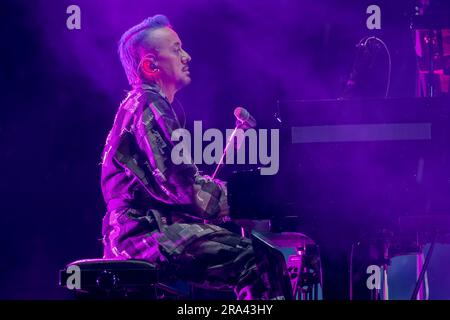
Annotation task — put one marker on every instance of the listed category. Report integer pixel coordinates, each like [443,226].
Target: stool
[104,279]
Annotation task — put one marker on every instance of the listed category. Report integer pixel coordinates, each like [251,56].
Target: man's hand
[224,213]
[222,208]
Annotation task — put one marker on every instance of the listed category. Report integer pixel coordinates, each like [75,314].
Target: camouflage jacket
[137,170]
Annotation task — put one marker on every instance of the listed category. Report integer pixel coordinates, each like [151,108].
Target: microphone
[244,121]
[244,118]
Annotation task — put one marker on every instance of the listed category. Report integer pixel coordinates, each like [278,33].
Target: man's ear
[149,66]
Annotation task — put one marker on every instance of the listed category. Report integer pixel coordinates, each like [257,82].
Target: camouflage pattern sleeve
[180,184]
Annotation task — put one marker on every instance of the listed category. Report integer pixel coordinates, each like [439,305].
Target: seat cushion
[113,264]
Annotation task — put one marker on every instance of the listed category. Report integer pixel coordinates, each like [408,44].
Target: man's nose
[186,57]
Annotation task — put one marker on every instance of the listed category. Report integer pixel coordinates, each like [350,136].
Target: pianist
[157,210]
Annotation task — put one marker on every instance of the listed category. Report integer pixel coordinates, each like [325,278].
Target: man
[156,209]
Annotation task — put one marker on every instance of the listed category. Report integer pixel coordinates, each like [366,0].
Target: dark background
[60,89]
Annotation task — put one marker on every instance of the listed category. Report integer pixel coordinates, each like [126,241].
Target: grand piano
[352,172]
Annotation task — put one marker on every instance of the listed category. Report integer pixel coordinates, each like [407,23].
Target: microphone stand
[239,125]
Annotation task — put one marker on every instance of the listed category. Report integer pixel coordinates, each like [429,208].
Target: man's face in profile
[172,60]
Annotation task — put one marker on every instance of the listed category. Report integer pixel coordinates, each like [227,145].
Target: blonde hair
[131,40]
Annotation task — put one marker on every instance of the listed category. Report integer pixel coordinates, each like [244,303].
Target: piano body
[349,170]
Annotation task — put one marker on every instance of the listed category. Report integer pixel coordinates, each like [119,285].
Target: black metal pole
[424,269]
